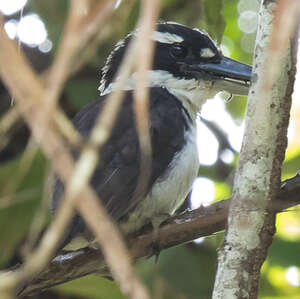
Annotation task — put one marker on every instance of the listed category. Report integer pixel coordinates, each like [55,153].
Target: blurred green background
[186,271]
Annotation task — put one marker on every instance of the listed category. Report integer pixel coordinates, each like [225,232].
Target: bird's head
[187,63]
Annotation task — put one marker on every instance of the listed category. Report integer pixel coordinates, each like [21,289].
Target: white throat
[191,92]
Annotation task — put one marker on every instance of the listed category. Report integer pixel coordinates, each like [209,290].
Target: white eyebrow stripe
[166,37]
[207,53]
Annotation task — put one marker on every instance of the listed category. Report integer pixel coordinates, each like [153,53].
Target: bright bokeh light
[236,135]
[11,28]
[203,192]
[294,126]
[117,4]
[207,145]
[291,131]
[9,7]
[32,30]
[199,240]
[292,276]
[214,110]
[225,50]
[245,5]
[288,226]
[293,229]
[46,46]
[227,156]
[247,21]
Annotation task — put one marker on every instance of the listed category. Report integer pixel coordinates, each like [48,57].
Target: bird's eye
[178,51]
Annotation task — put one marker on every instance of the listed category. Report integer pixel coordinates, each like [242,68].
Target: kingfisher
[187,70]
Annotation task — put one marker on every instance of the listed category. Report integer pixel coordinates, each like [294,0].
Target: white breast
[170,190]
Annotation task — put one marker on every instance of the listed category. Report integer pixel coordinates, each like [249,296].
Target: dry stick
[101,131]
[60,68]
[178,230]
[95,19]
[256,184]
[78,29]
[145,49]
[87,53]
[29,94]
[8,120]
[89,28]
[89,38]
[83,22]
[13,115]
[96,31]
[66,128]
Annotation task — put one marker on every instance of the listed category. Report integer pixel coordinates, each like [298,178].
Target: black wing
[116,176]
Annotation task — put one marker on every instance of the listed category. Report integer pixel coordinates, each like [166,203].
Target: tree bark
[250,222]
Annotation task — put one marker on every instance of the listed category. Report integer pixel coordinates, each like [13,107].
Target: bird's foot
[156,223]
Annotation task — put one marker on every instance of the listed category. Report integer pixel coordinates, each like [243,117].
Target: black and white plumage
[187,70]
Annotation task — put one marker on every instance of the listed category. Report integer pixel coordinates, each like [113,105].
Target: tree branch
[250,225]
[177,230]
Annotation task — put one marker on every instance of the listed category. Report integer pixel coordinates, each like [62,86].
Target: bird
[187,70]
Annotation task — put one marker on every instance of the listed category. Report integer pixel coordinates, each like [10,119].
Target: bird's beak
[229,75]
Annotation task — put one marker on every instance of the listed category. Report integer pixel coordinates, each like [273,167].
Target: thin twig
[8,120]
[59,70]
[83,22]
[145,45]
